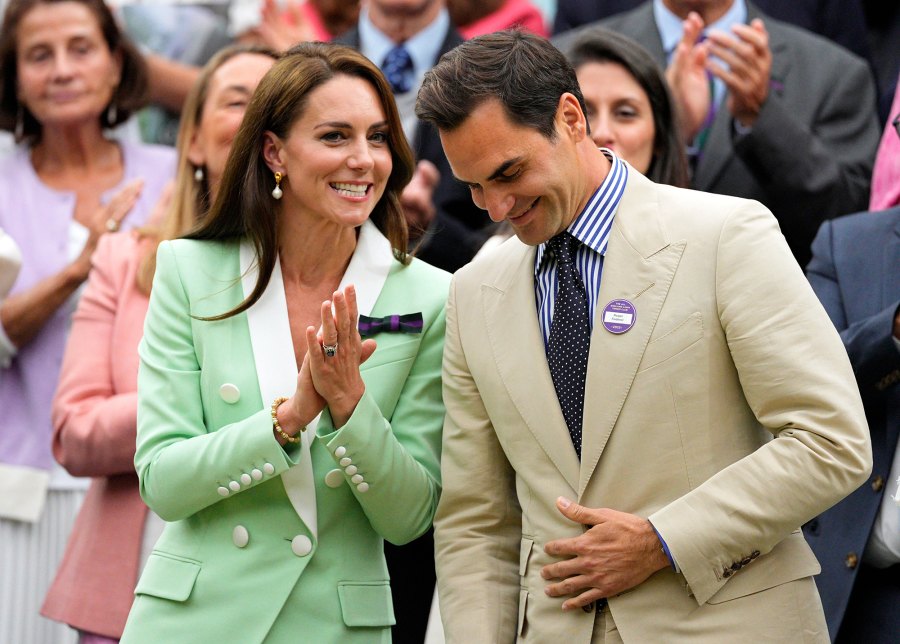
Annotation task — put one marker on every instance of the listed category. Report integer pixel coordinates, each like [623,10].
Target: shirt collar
[592,225]
[423,47]
[670,28]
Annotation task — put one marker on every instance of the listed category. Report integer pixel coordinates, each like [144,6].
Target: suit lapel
[639,266]
[518,350]
[276,369]
[891,273]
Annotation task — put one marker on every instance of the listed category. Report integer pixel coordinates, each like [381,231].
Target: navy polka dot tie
[570,336]
[397,68]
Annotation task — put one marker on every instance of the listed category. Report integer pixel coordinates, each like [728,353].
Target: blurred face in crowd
[66,71]
[230,89]
[336,157]
[618,111]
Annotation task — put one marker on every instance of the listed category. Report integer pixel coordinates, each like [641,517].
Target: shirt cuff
[665,549]
[8,350]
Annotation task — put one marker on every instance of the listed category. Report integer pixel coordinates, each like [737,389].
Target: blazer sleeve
[93,424]
[400,457]
[184,465]
[869,341]
[478,526]
[798,382]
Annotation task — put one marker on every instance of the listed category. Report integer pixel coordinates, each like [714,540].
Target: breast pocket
[673,342]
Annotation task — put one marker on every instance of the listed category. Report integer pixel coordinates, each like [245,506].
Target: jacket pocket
[168,577]
[523,607]
[673,342]
[366,603]
[524,555]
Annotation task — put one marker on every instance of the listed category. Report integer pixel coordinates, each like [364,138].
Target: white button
[245,479]
[334,478]
[345,461]
[340,451]
[350,470]
[356,479]
[268,468]
[256,474]
[301,545]
[240,536]
[363,487]
[235,486]
[230,393]
[223,491]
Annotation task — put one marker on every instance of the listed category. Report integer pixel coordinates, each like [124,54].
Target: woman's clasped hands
[329,374]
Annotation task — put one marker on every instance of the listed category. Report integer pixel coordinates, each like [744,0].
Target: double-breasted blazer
[728,415]
[269,543]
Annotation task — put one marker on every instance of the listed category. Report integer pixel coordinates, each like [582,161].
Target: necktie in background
[397,68]
[570,336]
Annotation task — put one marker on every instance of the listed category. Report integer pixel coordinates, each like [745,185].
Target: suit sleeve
[798,382]
[869,341]
[825,166]
[93,424]
[400,458]
[181,462]
[479,522]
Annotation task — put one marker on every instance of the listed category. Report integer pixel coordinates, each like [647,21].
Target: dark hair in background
[669,163]
[244,206]
[129,96]
[525,72]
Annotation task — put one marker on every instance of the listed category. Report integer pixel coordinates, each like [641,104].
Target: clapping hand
[749,61]
[688,78]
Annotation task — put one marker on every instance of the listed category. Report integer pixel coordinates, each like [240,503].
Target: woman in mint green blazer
[280,445]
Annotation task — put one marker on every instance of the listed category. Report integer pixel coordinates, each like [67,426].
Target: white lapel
[270,338]
[273,353]
[369,266]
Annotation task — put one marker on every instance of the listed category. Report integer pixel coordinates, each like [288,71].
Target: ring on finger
[329,349]
[112,225]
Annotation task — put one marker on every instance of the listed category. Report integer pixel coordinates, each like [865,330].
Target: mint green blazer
[242,560]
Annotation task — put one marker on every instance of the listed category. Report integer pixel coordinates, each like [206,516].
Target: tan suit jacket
[728,415]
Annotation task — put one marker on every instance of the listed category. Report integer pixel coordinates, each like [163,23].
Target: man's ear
[570,118]
[272,152]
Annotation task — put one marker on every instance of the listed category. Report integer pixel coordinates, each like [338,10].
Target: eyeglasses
[896,124]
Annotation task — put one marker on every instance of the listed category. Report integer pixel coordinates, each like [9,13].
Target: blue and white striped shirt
[591,227]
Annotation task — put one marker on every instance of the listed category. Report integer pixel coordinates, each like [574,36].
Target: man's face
[516,173]
[713,9]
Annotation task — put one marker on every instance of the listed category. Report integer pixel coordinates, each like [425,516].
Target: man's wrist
[663,554]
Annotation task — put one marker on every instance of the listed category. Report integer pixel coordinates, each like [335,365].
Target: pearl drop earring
[277,192]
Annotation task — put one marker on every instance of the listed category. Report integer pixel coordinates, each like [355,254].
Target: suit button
[350,470]
[301,545]
[356,479]
[268,468]
[235,486]
[878,484]
[240,536]
[745,561]
[754,554]
[736,566]
[851,560]
[727,573]
[363,487]
[223,491]
[344,462]
[340,451]
[245,479]
[813,527]
[230,393]
[587,608]
[256,473]
[334,478]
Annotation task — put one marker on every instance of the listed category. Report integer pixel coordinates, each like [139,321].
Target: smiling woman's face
[65,70]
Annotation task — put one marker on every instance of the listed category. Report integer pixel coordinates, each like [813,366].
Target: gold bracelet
[277,427]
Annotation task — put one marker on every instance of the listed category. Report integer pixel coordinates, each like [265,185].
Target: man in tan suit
[641,477]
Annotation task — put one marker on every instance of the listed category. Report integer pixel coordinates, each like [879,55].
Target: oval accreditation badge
[619,316]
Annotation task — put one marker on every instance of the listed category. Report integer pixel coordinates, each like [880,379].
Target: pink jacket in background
[94,426]
[886,175]
[513,13]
